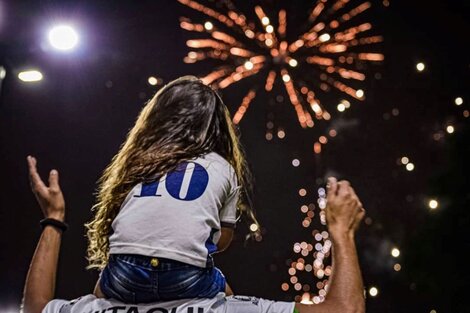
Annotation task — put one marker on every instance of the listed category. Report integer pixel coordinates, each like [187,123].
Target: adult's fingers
[332,187]
[344,188]
[36,181]
[359,216]
[359,204]
[54,180]
[354,196]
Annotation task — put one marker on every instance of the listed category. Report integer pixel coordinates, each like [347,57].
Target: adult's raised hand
[344,210]
[50,198]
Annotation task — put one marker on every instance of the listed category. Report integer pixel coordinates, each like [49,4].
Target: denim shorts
[142,279]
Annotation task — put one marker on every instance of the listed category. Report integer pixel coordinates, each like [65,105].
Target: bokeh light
[152,81]
[433,204]
[324,37]
[30,76]
[295,162]
[395,252]
[208,25]
[458,101]
[285,287]
[410,167]
[248,65]
[293,62]
[420,67]
[373,291]
[254,227]
[63,37]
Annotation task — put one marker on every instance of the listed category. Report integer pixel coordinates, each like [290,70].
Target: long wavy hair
[185,119]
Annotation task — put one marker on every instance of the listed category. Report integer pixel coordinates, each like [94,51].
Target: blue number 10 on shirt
[187,182]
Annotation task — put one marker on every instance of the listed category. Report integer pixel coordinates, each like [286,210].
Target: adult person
[344,213]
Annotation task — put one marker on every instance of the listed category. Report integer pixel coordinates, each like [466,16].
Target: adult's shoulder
[249,304]
[218,304]
[90,303]
[68,306]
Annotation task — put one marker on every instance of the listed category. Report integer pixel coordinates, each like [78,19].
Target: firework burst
[328,50]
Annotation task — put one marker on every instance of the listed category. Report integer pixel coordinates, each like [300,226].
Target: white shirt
[219,304]
[180,216]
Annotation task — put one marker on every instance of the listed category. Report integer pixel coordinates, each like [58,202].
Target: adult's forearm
[40,281]
[346,286]
[345,291]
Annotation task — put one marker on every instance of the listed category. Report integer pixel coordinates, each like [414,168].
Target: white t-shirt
[219,304]
[180,216]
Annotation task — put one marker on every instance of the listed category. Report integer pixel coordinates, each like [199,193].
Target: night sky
[75,119]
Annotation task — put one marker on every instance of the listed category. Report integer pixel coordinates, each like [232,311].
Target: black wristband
[53,222]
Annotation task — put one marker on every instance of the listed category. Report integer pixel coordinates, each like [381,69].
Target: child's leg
[97,292]
[228,290]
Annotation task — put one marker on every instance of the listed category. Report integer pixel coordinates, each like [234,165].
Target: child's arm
[226,235]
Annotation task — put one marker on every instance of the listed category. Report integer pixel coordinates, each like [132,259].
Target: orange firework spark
[328,49]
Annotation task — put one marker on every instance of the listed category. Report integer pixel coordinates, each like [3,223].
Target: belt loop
[210,262]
